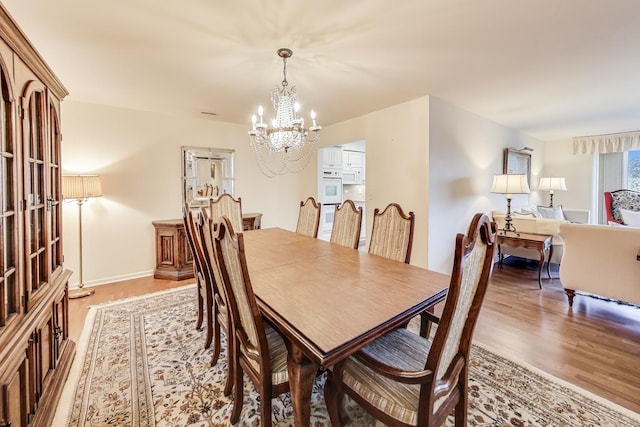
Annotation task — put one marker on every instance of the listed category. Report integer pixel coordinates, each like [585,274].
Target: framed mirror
[517,162]
[206,174]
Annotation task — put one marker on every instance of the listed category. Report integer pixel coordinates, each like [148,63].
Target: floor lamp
[551,184]
[80,188]
[509,185]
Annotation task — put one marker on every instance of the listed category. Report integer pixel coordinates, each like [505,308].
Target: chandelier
[284,146]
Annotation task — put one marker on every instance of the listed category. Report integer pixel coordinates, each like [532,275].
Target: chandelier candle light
[509,185]
[555,183]
[285,146]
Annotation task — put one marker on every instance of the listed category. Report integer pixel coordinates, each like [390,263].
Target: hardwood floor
[595,345]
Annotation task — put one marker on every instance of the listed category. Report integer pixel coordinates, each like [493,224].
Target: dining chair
[392,233]
[309,218]
[346,225]
[259,350]
[205,292]
[219,306]
[403,379]
[225,204]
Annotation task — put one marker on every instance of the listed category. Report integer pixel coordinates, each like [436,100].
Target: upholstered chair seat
[403,350]
[277,356]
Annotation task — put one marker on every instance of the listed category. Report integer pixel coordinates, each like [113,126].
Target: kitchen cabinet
[353,167]
[331,157]
[35,349]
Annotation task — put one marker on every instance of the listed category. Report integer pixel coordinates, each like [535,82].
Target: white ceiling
[551,68]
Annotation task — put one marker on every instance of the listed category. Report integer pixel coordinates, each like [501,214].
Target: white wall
[578,171]
[397,162]
[137,154]
[429,156]
[465,152]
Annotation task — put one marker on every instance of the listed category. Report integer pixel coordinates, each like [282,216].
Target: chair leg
[200,309]
[265,406]
[461,410]
[231,366]
[238,394]
[210,306]
[216,341]
[207,342]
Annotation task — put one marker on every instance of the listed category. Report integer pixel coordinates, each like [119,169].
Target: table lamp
[80,188]
[509,185]
[551,184]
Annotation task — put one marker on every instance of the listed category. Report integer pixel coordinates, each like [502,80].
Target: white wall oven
[330,190]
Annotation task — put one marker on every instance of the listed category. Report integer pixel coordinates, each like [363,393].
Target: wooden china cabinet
[35,350]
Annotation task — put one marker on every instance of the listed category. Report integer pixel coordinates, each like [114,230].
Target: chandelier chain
[284,72]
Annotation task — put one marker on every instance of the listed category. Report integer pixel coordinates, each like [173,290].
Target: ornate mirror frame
[206,174]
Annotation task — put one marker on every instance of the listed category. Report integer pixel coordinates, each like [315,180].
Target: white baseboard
[112,279]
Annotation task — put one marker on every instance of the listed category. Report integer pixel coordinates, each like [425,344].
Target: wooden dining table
[329,301]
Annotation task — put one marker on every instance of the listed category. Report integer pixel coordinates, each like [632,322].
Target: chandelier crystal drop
[285,145]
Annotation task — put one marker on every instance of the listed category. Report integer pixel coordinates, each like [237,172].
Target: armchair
[620,199]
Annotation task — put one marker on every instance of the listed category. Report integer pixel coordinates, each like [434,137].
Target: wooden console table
[174,260]
[540,242]
[251,221]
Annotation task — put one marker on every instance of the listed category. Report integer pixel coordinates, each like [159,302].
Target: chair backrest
[620,199]
[472,266]
[346,225]
[228,206]
[194,245]
[204,229]
[392,233]
[309,218]
[245,315]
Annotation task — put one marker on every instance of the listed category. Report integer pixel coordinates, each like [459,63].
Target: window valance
[611,143]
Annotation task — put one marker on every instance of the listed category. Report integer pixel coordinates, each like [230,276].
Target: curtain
[611,143]
[611,177]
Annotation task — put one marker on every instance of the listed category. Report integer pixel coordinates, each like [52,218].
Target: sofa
[526,221]
[601,260]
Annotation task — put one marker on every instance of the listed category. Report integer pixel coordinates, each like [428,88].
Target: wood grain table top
[331,300]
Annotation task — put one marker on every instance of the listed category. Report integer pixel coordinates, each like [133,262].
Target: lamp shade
[81,186]
[510,184]
[554,183]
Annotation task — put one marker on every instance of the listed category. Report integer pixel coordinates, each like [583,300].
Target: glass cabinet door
[34,143]
[54,196]
[9,283]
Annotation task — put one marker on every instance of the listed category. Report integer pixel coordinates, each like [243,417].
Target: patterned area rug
[141,362]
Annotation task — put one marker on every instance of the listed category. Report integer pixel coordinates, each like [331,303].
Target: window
[632,170]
